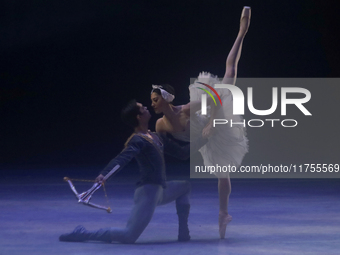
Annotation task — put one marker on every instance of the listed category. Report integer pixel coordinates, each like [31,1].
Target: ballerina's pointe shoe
[245,19]
[223,220]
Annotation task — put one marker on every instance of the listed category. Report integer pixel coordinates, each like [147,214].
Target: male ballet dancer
[152,190]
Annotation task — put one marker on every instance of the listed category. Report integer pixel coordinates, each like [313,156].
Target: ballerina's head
[161,96]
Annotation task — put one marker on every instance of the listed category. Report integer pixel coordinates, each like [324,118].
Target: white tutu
[228,145]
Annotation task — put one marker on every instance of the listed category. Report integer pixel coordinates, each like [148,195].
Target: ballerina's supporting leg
[224,185]
[224,190]
[235,52]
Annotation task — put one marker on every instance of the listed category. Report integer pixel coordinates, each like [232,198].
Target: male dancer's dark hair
[129,114]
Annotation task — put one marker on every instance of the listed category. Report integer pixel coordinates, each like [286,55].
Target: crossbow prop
[85,197]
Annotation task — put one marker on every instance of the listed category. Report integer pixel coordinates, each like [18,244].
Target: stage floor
[277,216]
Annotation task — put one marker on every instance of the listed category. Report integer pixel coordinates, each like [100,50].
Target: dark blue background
[67,68]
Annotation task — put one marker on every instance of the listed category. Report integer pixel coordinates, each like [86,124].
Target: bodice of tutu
[182,136]
[193,127]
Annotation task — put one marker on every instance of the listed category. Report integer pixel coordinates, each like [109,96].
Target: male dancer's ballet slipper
[223,220]
[79,234]
[245,19]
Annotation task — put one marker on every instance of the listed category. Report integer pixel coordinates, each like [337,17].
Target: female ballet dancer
[227,145]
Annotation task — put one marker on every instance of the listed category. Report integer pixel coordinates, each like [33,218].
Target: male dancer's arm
[132,148]
[182,152]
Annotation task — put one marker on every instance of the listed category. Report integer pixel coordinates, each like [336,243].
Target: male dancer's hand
[99,178]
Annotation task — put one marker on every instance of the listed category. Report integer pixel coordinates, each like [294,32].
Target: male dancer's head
[136,115]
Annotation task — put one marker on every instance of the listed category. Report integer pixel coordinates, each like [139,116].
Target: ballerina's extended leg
[235,52]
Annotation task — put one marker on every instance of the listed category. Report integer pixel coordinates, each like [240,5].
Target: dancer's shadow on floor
[199,241]
[174,242]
